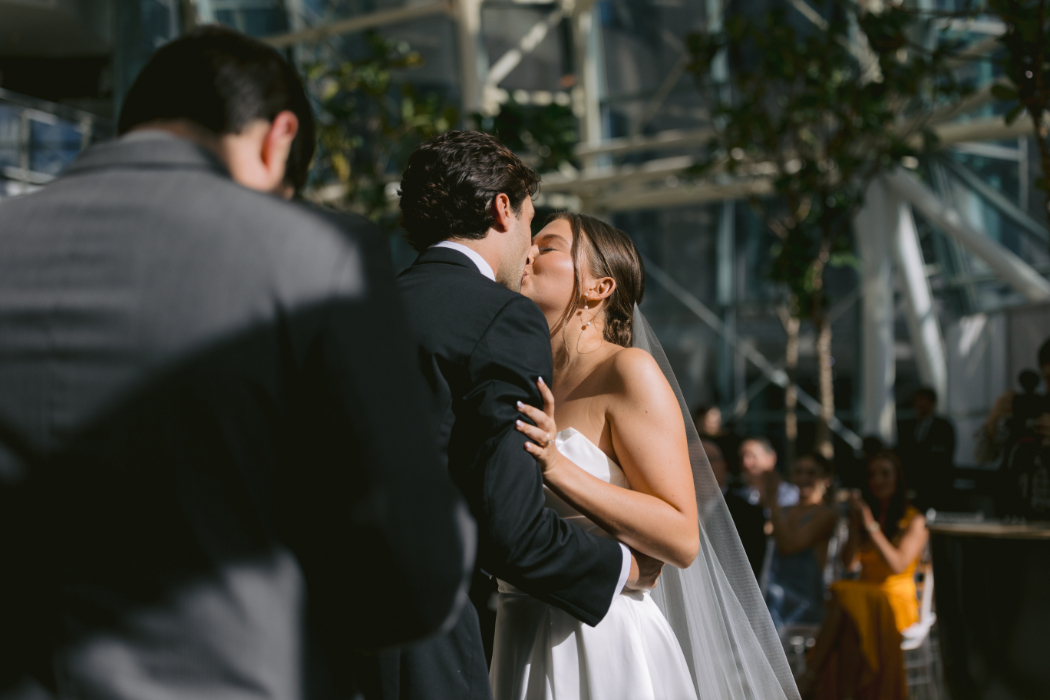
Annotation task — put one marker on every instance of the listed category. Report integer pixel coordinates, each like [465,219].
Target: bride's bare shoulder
[636,375]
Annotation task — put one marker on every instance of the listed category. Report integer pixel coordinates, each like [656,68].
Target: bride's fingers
[534,450]
[537,435]
[538,417]
[548,397]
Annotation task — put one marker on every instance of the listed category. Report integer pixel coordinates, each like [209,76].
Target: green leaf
[1004,92]
[1013,114]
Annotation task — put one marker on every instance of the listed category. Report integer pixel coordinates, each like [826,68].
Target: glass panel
[10,128]
[255,19]
[52,146]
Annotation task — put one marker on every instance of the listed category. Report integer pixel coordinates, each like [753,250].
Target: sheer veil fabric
[714,607]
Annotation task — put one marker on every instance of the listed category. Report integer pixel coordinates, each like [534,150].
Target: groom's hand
[644,572]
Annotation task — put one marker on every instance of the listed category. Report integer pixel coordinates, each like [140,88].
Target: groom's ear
[503,213]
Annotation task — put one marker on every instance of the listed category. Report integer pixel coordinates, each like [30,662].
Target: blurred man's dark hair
[1044,353]
[760,440]
[872,445]
[928,393]
[450,184]
[220,81]
[820,460]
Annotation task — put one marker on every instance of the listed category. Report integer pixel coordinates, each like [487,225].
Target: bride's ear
[601,288]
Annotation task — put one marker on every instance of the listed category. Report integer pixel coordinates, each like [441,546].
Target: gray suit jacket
[216,469]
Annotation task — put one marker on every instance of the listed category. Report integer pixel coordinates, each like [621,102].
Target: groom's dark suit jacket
[216,473]
[482,347]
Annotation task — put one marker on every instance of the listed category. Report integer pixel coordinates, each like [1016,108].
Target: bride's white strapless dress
[543,653]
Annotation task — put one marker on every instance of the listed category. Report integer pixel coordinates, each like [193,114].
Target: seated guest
[757,460]
[858,653]
[796,589]
[748,518]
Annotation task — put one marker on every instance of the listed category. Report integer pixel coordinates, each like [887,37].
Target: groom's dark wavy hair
[220,81]
[450,183]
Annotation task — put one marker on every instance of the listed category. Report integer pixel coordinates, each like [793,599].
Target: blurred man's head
[1044,362]
[234,95]
[708,420]
[718,462]
[872,445]
[925,401]
[757,458]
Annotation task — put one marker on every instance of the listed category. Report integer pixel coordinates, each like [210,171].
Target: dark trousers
[449,666]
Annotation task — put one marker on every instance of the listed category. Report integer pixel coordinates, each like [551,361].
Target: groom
[466,207]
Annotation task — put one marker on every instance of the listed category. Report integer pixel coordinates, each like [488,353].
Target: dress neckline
[564,436]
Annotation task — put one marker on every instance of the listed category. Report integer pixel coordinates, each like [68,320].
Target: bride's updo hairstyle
[608,252]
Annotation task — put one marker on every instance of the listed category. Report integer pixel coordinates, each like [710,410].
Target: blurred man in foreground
[216,475]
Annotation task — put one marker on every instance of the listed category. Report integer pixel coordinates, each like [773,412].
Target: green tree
[369,124]
[817,109]
[1027,67]
[543,136]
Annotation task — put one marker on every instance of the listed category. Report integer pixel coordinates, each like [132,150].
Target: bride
[616,459]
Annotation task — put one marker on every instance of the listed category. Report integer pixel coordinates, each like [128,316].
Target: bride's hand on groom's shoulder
[540,443]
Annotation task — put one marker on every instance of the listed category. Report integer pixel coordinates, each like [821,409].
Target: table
[992,588]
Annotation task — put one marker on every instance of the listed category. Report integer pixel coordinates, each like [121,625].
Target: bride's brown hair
[609,252]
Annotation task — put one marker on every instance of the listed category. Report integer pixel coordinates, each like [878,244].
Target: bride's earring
[585,307]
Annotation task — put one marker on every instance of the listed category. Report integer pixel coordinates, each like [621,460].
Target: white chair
[921,657]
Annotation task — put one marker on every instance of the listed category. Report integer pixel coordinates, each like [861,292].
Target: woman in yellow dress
[858,653]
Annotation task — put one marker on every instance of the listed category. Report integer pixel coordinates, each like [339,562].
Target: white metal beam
[1007,266]
[589,87]
[996,198]
[878,412]
[775,374]
[923,327]
[467,15]
[528,43]
[673,138]
[684,194]
[357,24]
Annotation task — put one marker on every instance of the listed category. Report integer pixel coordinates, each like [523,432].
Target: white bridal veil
[714,606]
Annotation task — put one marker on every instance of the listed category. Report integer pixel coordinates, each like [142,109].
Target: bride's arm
[657,516]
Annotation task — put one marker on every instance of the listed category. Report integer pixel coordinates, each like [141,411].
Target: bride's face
[548,277]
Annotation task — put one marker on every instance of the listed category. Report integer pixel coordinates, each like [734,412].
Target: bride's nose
[534,250]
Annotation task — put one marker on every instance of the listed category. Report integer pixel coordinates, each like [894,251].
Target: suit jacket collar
[148,150]
[447,256]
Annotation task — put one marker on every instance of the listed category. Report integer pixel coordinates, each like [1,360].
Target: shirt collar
[483,267]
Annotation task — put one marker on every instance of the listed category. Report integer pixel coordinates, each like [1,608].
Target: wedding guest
[748,519]
[795,594]
[871,445]
[212,424]
[926,446]
[709,425]
[758,459]
[858,652]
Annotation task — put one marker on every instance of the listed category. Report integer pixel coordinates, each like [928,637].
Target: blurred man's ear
[276,146]
[258,156]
